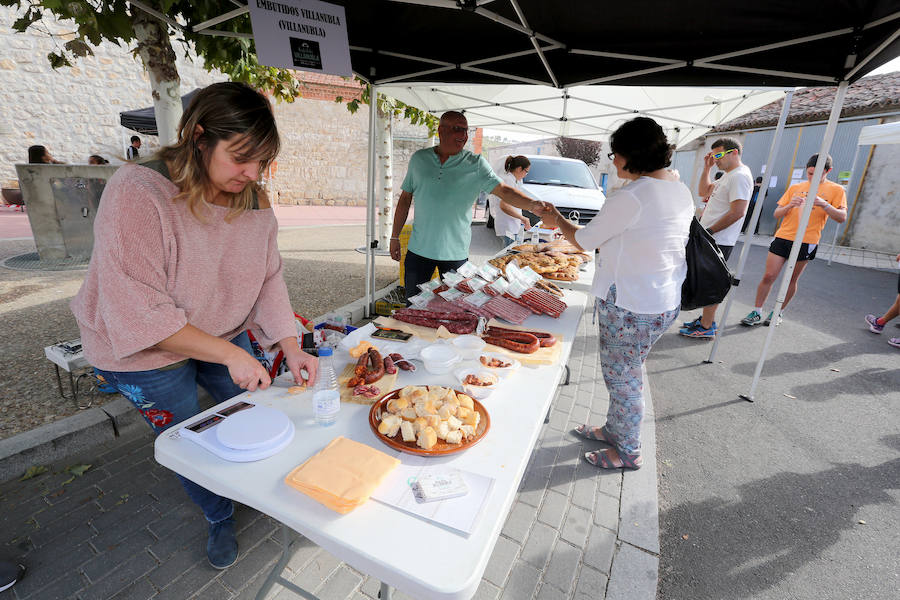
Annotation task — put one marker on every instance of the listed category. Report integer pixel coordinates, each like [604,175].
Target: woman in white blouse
[508,219]
[640,235]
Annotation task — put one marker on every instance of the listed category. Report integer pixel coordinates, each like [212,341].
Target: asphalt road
[794,496]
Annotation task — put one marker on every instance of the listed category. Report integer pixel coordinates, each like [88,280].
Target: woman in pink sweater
[185,261]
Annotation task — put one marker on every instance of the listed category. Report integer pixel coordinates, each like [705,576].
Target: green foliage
[392,106]
[110,20]
[584,150]
[34,471]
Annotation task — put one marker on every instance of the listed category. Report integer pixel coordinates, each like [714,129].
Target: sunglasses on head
[719,155]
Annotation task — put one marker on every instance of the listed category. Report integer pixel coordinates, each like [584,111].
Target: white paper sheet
[460,515]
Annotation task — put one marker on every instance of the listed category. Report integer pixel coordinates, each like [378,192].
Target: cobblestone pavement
[124,529]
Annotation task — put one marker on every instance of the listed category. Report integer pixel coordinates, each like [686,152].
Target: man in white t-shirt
[723,215]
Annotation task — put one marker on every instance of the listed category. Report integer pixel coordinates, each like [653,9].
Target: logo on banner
[306,54]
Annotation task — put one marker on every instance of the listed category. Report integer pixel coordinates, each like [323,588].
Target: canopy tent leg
[841,227]
[801,227]
[754,218]
[370,204]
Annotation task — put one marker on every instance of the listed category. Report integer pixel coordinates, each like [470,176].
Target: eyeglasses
[610,155]
[719,155]
[458,129]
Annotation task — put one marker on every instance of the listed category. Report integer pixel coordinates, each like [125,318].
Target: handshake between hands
[548,214]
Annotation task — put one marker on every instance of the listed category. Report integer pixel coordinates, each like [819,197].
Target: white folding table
[404,552]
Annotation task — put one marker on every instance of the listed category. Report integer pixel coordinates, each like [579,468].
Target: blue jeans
[168,396]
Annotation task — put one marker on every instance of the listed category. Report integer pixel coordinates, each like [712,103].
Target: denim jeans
[168,396]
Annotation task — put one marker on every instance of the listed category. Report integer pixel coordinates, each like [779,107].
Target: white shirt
[736,184]
[505,224]
[640,234]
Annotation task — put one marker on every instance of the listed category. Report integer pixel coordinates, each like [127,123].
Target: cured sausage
[529,346]
[377,371]
[453,314]
[453,326]
[546,339]
[354,381]
[389,367]
[402,363]
[360,369]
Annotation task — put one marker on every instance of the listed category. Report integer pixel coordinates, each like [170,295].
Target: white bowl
[501,371]
[439,359]
[479,392]
[468,346]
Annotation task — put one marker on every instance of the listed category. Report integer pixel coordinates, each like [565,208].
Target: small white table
[69,356]
[404,552]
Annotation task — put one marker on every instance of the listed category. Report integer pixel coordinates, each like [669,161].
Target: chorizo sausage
[377,371]
[402,363]
[529,346]
[546,339]
[389,367]
[360,369]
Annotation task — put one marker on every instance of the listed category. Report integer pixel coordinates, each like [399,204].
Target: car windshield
[560,172]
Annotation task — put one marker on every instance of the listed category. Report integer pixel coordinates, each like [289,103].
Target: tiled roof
[874,94]
[319,86]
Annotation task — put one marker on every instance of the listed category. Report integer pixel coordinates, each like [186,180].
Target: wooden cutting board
[428,334]
[384,385]
[543,356]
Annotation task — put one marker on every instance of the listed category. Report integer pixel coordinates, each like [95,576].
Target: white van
[566,183]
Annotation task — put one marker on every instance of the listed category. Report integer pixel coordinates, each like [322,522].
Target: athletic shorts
[782,248]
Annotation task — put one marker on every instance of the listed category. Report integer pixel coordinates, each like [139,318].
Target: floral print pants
[625,342]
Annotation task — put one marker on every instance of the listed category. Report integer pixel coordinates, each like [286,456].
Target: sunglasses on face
[458,129]
[719,155]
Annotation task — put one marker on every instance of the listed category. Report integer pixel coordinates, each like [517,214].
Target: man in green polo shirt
[445,181]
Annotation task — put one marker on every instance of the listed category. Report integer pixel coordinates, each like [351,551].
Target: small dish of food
[500,364]
[478,383]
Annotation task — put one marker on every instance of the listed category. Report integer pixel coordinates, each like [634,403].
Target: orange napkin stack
[343,475]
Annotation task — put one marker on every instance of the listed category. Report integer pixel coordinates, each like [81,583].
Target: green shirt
[443,196]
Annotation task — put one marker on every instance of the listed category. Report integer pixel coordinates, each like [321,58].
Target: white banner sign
[306,35]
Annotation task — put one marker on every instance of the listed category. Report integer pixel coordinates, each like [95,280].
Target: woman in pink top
[185,261]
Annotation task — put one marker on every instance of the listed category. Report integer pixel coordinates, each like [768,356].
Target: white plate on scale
[254,429]
[242,432]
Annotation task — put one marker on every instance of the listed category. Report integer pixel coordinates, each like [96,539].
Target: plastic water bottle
[326,398]
[520,234]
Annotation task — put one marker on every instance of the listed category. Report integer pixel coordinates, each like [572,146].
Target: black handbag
[708,276]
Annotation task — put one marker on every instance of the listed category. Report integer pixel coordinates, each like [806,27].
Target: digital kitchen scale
[242,432]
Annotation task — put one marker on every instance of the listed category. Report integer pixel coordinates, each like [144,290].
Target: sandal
[603,460]
[589,432]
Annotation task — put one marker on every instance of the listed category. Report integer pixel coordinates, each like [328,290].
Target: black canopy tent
[143,120]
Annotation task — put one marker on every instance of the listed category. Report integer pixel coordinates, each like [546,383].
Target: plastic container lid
[439,354]
[253,429]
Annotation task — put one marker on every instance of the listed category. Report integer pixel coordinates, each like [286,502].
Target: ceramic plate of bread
[429,420]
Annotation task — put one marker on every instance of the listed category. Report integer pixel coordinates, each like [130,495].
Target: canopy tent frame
[751,227]
[857,52]
[819,170]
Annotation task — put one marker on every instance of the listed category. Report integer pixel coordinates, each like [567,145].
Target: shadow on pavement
[779,524]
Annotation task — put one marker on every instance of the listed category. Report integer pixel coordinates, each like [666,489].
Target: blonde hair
[222,111]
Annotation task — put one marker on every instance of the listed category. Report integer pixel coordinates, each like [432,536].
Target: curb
[97,425]
[66,437]
[635,566]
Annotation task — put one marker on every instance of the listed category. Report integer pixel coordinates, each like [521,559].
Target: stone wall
[75,113]
[324,153]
